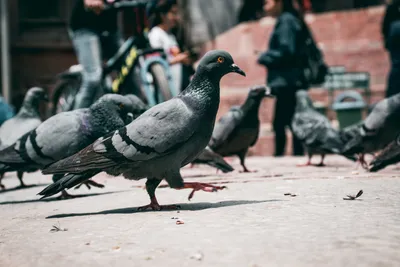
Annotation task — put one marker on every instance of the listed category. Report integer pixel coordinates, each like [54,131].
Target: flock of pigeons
[119,135]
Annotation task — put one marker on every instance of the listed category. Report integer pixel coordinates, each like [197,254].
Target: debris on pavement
[290,194]
[197,256]
[350,197]
[56,228]
[178,222]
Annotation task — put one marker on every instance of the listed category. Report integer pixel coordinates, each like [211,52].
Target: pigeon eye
[220,60]
[121,105]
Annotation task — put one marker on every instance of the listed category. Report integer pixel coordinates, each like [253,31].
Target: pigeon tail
[221,165]
[68,181]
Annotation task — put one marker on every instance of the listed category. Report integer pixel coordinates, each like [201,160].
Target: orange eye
[121,105]
[220,60]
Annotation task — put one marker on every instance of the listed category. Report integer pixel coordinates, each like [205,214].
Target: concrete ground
[252,223]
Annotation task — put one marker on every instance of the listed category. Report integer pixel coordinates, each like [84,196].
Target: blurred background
[36,47]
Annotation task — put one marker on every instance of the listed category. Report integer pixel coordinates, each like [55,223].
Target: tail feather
[66,182]
[221,165]
[85,160]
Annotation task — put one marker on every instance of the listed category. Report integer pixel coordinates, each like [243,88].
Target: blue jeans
[393,86]
[91,48]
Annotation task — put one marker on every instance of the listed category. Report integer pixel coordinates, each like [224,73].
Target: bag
[315,69]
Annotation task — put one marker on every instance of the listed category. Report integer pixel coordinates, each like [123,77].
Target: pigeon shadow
[21,188]
[56,198]
[187,207]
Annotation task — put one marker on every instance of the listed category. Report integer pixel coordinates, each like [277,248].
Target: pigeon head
[259,92]
[303,101]
[114,103]
[33,98]
[35,95]
[138,105]
[217,63]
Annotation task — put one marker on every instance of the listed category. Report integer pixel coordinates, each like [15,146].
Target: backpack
[315,69]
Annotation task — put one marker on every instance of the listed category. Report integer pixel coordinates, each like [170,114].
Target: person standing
[391,36]
[284,62]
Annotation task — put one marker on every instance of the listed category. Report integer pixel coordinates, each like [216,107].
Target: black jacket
[284,58]
[392,14]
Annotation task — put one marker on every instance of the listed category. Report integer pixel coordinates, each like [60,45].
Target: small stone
[87,244]
[178,222]
[116,248]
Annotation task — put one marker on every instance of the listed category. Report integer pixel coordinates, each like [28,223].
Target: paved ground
[251,223]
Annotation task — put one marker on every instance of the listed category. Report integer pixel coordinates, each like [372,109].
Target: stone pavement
[252,223]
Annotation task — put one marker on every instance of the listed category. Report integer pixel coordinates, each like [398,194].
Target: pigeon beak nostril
[235,68]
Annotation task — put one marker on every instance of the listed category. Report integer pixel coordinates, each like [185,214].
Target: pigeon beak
[235,68]
[268,92]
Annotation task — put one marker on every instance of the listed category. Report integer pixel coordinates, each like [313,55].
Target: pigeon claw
[157,207]
[65,195]
[202,186]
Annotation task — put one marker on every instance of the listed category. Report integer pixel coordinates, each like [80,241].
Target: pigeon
[27,119]
[388,156]
[315,131]
[380,128]
[158,143]
[66,133]
[238,129]
[209,157]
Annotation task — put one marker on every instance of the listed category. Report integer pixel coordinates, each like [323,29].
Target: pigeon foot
[201,186]
[65,195]
[90,183]
[156,207]
[304,164]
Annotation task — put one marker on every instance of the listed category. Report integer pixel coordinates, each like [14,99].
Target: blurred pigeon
[27,119]
[379,129]
[388,156]
[315,131]
[158,143]
[209,157]
[65,134]
[238,129]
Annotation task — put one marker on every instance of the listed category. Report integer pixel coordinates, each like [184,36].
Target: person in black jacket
[391,35]
[284,62]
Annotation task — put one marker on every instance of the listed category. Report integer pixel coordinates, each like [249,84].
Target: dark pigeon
[238,129]
[65,134]
[209,157]
[379,129]
[27,119]
[315,131]
[156,145]
[388,156]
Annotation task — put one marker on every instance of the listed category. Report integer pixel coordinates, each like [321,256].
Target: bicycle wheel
[64,96]
[160,81]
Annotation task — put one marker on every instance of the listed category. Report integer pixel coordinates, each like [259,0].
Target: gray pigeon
[27,119]
[156,145]
[209,157]
[388,156]
[65,134]
[315,131]
[238,129]
[379,129]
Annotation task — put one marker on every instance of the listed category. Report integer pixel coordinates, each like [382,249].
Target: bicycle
[147,68]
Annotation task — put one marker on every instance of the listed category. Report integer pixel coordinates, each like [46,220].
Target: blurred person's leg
[88,50]
[298,149]
[279,124]
[393,86]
